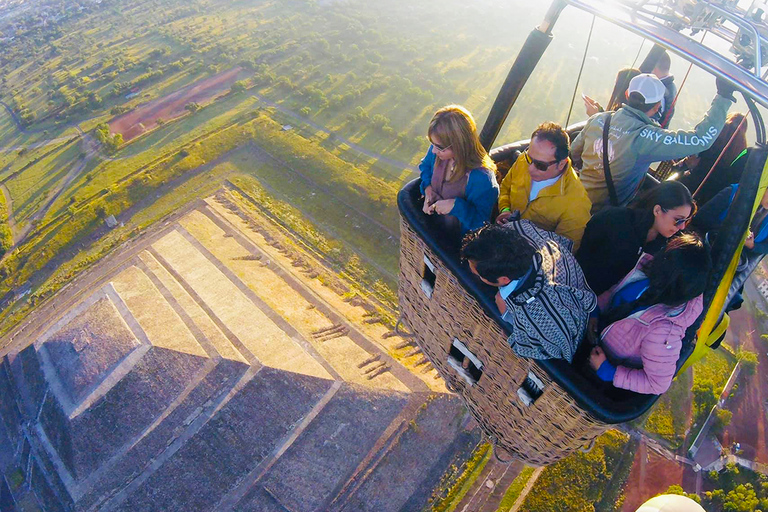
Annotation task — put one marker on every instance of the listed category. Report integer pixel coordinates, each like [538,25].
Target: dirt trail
[528,486]
[748,425]
[144,117]
[91,149]
[489,487]
[651,474]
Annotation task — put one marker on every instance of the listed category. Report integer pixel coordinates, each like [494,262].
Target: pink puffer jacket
[645,346]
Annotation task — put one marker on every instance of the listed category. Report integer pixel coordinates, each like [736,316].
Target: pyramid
[173,386]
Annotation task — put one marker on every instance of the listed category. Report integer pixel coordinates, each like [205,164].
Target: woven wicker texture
[544,432]
[662,171]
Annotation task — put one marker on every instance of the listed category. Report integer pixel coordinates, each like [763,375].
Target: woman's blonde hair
[454,126]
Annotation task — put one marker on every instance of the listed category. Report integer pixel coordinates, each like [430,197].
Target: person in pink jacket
[647,314]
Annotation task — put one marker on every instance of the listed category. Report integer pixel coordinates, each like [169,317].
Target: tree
[6,238]
[192,107]
[94,101]
[676,489]
[741,499]
[704,396]
[722,419]
[748,360]
[237,87]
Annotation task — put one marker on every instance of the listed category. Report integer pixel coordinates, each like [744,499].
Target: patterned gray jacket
[550,309]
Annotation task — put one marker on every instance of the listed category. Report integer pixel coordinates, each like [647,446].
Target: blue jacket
[711,216]
[480,196]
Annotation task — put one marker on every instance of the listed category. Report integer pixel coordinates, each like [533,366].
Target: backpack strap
[606,168]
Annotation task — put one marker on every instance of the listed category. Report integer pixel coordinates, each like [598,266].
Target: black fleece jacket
[612,243]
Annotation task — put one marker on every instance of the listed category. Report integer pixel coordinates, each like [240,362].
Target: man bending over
[542,292]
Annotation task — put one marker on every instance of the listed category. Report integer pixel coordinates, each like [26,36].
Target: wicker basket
[443,315]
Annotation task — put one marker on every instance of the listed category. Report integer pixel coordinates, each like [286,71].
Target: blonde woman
[457,176]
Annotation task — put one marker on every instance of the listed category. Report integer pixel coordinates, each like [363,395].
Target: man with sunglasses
[541,186]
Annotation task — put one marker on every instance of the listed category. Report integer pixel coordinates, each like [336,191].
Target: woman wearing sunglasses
[615,237]
[458,178]
[646,315]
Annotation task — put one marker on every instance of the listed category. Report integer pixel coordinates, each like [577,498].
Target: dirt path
[748,425]
[528,486]
[91,149]
[489,487]
[651,474]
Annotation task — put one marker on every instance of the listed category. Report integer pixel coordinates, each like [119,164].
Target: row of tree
[736,490]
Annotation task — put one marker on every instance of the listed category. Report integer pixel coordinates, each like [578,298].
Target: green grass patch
[578,482]
[30,187]
[715,367]
[464,478]
[343,224]
[515,488]
[669,418]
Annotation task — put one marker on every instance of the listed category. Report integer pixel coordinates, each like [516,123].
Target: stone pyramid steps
[309,474]
[400,481]
[130,463]
[244,432]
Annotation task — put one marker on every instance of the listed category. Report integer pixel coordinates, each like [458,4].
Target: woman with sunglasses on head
[644,317]
[616,237]
[458,178]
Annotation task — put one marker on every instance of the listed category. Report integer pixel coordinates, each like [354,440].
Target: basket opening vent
[428,278]
[466,364]
[531,389]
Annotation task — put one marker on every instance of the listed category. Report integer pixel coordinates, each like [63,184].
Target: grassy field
[464,477]
[296,178]
[715,367]
[514,490]
[374,79]
[580,481]
[669,418]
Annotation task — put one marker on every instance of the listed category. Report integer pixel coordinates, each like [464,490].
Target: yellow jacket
[562,207]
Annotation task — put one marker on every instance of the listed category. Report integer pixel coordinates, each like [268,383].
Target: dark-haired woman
[615,237]
[618,96]
[647,314]
[728,171]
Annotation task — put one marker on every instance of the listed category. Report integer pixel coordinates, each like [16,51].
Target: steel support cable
[680,89]
[581,69]
[642,43]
